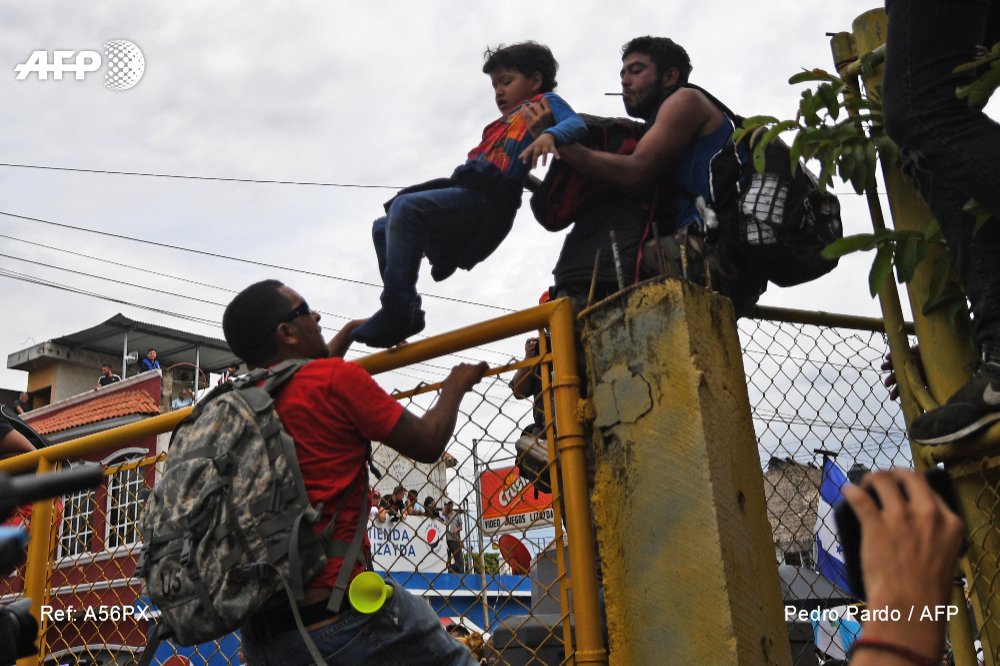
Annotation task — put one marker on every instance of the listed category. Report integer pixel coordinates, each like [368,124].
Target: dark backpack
[228,528]
[564,192]
[776,221]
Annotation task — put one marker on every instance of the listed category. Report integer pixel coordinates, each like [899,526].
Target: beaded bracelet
[898,650]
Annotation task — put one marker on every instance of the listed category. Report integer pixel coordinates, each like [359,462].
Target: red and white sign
[509,502]
[412,544]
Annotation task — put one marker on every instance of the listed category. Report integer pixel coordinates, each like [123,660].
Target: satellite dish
[515,554]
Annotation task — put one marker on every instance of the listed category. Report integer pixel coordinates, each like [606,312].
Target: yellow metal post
[36,568]
[913,395]
[571,445]
[947,355]
[558,499]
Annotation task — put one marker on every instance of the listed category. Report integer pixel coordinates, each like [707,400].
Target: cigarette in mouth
[614,94]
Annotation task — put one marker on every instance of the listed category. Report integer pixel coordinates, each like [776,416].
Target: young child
[457,222]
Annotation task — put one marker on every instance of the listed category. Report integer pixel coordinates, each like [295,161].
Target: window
[126,488]
[77,528]
[800,558]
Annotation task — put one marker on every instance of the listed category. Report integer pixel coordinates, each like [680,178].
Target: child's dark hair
[664,52]
[525,57]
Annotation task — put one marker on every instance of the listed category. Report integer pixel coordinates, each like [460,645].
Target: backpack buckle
[255,571]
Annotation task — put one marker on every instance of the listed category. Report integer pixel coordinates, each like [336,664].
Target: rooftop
[109,405]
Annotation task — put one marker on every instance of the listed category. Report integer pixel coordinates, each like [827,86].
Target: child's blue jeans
[439,222]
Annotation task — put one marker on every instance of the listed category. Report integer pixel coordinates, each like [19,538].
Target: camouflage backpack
[228,527]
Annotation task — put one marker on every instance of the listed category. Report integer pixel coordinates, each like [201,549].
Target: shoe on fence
[972,408]
[386,328]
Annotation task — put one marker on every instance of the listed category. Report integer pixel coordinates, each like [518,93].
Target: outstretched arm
[14,443]
[681,119]
[567,127]
[423,438]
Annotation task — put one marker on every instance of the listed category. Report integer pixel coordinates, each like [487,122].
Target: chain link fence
[816,394]
[482,546]
[982,515]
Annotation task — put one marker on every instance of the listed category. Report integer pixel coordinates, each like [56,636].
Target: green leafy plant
[979,91]
[826,130]
[491,561]
[841,128]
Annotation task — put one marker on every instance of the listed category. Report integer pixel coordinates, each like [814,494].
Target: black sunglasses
[301,309]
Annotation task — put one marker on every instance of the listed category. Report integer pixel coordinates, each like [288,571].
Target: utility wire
[440,369]
[14,275]
[148,174]
[135,268]
[252,262]
[183,279]
[209,178]
[75,290]
[109,279]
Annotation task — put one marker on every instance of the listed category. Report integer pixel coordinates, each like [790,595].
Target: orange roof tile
[101,408]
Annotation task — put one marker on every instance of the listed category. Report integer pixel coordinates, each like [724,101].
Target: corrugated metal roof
[172,345]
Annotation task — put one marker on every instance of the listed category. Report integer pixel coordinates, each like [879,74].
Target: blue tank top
[692,174]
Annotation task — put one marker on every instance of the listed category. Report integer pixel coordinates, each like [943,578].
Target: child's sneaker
[972,408]
[387,328]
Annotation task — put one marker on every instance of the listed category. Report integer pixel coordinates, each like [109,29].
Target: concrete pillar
[689,569]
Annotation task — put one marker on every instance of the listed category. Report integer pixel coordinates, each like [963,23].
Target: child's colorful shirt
[506,138]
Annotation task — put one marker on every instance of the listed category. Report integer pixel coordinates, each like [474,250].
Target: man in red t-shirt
[333,409]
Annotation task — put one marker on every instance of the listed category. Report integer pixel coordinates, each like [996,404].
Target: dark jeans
[406,631]
[950,149]
[451,216]
[457,564]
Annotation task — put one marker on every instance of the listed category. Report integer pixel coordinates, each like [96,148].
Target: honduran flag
[829,554]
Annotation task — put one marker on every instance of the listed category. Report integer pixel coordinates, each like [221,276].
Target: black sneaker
[972,408]
[387,328]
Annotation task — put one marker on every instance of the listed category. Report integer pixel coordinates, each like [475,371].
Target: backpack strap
[306,638]
[282,372]
[735,117]
[153,644]
[353,551]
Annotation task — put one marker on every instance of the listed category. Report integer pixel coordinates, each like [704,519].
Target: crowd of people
[403,503]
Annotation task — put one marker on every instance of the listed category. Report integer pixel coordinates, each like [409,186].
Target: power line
[252,262]
[438,369]
[183,279]
[169,313]
[109,279]
[14,275]
[209,178]
[122,265]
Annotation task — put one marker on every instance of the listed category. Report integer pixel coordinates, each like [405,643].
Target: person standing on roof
[150,362]
[108,376]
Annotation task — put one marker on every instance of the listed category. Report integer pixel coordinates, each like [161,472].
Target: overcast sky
[374,93]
